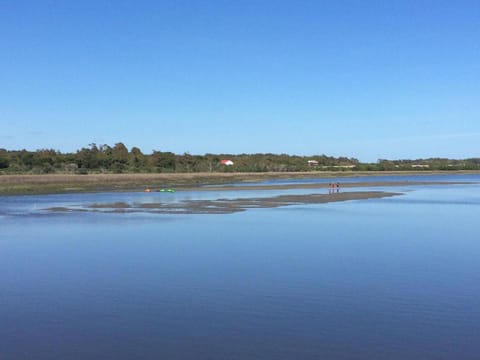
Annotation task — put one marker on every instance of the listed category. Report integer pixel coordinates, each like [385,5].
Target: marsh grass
[64,183]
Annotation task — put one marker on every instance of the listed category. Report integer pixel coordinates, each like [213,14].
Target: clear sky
[365,79]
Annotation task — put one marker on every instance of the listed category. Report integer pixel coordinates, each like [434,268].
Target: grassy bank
[58,183]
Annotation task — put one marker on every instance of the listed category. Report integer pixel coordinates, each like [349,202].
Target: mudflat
[64,183]
[225,206]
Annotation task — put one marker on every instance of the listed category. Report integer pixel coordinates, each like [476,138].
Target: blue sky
[364,79]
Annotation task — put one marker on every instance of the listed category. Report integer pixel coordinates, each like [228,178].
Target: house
[226,162]
[312,162]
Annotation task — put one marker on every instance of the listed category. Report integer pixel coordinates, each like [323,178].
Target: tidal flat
[71,183]
[226,206]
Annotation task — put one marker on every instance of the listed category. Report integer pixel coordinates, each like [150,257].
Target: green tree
[163,161]
[119,157]
[4,163]
[136,159]
[87,158]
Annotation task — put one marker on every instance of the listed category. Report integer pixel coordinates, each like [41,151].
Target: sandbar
[226,206]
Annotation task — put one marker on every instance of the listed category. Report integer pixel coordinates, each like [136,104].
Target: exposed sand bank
[226,206]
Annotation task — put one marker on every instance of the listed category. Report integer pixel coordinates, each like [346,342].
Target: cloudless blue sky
[365,79]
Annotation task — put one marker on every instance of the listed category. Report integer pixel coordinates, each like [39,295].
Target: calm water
[393,278]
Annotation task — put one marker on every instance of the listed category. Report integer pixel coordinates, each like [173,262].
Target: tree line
[119,159]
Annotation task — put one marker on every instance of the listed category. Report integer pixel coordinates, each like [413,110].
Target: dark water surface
[393,278]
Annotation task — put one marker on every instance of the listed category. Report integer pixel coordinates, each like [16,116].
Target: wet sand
[226,206]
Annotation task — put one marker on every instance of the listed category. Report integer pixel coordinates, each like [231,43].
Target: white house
[226,162]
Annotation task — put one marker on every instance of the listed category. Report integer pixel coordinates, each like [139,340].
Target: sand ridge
[226,206]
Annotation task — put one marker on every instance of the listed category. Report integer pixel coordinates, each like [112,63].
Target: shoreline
[71,183]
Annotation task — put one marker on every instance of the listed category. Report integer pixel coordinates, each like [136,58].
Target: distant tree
[87,158]
[4,163]
[120,157]
[385,165]
[104,158]
[186,162]
[136,159]
[120,152]
[163,161]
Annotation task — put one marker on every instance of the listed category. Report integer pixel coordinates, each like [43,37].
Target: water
[379,178]
[392,278]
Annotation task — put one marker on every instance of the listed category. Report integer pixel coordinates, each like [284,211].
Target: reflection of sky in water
[393,278]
